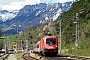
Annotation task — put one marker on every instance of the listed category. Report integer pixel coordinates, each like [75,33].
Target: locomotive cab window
[50,41]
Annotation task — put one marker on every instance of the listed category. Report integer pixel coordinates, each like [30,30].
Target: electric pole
[60,38]
[5,43]
[26,46]
[77,32]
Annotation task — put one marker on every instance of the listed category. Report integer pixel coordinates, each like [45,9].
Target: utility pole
[21,45]
[5,44]
[17,36]
[9,42]
[26,46]
[60,38]
[77,32]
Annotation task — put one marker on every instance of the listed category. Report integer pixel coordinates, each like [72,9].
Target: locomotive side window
[50,41]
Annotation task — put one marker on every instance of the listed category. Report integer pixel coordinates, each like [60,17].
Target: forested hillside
[82,7]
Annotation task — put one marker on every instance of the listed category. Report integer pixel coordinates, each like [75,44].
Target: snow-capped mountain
[32,15]
[7,15]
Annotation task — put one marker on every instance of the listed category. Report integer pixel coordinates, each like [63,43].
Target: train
[47,45]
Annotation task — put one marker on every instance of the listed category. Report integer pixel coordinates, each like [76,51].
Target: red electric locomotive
[48,45]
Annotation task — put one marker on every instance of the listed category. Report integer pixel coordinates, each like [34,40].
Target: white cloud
[18,4]
[62,1]
[56,1]
[12,6]
[32,1]
[3,2]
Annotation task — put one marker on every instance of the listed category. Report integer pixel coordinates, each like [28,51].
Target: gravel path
[12,57]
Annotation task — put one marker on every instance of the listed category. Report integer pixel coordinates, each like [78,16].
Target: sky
[18,4]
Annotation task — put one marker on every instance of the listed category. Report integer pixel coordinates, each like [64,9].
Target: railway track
[69,57]
[26,56]
[4,56]
[33,56]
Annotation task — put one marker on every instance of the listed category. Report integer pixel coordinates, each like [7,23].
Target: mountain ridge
[33,15]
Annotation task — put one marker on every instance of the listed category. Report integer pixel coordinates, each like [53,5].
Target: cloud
[17,5]
[12,6]
[3,2]
[56,1]
[32,1]
[0,7]
[62,1]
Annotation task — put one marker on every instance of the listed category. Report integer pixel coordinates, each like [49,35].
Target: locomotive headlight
[56,46]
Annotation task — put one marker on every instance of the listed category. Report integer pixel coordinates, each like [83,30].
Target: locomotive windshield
[50,41]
